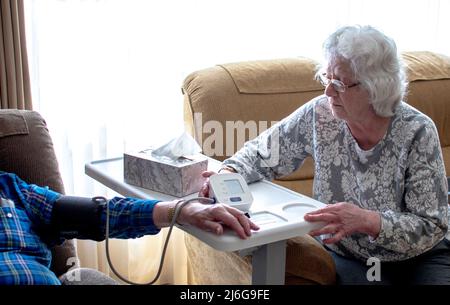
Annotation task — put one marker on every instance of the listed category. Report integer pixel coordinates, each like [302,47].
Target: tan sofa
[267,91]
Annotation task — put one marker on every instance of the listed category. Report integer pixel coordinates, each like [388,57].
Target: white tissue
[182,146]
[174,168]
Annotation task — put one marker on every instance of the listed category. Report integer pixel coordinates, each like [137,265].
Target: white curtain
[106,75]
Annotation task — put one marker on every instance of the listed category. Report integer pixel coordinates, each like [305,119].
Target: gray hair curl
[374,61]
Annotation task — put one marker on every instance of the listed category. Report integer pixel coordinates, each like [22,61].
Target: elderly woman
[378,165]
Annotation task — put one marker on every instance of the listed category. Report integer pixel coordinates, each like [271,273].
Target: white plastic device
[231,188]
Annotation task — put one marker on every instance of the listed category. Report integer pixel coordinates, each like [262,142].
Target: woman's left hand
[343,219]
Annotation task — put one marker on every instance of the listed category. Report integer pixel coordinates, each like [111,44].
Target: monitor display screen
[234,186]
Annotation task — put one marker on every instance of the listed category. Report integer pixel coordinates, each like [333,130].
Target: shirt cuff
[386,229]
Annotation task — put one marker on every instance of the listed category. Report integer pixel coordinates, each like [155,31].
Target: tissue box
[177,178]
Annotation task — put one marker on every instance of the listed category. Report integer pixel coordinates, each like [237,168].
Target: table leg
[269,264]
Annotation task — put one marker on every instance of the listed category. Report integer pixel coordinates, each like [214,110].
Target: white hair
[374,61]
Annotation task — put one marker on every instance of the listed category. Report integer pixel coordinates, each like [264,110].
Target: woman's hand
[213,217]
[204,191]
[343,219]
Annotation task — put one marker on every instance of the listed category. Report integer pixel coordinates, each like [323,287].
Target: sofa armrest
[307,262]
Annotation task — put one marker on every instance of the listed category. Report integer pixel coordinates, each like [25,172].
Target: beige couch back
[255,94]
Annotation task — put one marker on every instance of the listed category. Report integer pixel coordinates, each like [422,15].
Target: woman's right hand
[204,191]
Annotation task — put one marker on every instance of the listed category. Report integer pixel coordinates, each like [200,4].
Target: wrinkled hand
[343,219]
[213,217]
[204,191]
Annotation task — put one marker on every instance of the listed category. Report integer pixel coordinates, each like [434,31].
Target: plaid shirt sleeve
[37,201]
[130,217]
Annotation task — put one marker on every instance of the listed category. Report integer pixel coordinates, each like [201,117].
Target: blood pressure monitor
[231,189]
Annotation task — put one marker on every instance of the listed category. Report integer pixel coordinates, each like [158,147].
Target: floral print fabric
[403,176]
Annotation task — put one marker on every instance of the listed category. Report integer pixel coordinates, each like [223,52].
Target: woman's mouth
[335,104]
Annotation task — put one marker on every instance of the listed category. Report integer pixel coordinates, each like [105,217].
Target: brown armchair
[26,149]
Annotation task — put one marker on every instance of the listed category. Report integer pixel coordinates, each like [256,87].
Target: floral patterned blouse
[403,176]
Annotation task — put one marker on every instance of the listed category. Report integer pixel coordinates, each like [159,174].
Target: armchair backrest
[26,149]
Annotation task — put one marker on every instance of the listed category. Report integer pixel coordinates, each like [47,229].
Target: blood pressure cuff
[78,217]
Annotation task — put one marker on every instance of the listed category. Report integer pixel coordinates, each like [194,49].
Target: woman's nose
[330,91]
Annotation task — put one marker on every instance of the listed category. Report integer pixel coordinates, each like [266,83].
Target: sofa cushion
[307,259]
[429,92]
[206,263]
[429,89]
[213,96]
[274,76]
[424,65]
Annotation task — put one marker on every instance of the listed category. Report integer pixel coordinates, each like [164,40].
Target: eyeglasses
[337,84]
